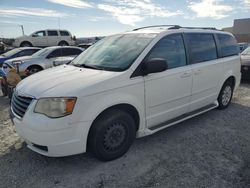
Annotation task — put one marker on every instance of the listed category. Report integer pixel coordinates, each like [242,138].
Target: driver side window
[170,48]
[39,34]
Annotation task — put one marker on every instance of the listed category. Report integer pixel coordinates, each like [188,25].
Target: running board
[183,117]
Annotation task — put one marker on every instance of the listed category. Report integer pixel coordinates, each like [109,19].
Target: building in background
[240,29]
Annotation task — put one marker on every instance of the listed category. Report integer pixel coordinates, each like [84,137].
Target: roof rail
[174,27]
[171,26]
[180,27]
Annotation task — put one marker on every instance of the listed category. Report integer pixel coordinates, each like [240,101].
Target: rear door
[206,69]
[53,37]
[168,93]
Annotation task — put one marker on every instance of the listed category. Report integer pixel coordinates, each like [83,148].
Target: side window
[171,48]
[55,53]
[70,51]
[228,45]
[39,34]
[25,52]
[64,33]
[52,33]
[201,46]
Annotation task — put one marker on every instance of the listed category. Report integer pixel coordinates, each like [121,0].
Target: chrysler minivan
[126,86]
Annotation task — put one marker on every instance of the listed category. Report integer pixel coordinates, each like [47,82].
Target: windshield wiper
[88,66]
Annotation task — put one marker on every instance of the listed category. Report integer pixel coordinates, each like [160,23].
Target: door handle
[196,72]
[185,75]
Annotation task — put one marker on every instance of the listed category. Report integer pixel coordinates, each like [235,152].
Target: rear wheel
[225,95]
[111,135]
[63,43]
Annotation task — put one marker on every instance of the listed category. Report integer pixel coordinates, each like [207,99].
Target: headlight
[55,107]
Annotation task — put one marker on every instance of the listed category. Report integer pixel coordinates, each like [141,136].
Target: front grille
[19,104]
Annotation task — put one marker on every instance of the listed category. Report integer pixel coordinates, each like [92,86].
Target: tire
[63,43]
[26,44]
[34,69]
[225,96]
[111,135]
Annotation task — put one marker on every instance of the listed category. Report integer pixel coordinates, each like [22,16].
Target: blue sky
[85,18]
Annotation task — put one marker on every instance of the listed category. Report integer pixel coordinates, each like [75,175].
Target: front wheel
[111,135]
[33,70]
[225,95]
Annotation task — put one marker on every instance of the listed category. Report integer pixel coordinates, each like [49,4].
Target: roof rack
[152,26]
[174,27]
[180,27]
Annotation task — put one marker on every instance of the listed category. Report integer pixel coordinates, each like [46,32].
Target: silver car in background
[45,58]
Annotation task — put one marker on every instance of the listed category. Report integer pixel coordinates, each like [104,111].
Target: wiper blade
[91,67]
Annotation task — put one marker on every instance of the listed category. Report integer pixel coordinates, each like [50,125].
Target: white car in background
[45,58]
[45,38]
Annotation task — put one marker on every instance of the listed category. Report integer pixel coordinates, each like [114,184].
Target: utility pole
[22,29]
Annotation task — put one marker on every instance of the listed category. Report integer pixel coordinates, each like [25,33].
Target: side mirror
[155,65]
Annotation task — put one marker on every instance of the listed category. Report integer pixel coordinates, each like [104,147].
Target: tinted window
[70,51]
[201,47]
[228,45]
[55,53]
[27,52]
[52,33]
[170,48]
[64,33]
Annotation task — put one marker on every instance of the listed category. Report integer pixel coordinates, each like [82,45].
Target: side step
[176,120]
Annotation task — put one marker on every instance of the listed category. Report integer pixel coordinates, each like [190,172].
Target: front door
[39,39]
[167,93]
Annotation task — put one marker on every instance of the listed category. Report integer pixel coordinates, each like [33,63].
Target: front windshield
[246,51]
[11,53]
[114,53]
[41,52]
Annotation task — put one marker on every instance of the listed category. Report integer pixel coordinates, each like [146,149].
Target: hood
[24,58]
[65,80]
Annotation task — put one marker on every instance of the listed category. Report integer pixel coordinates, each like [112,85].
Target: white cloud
[210,9]
[72,3]
[22,12]
[246,3]
[132,11]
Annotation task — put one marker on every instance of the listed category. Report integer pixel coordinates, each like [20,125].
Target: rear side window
[201,46]
[228,45]
[171,48]
[55,53]
[71,51]
[52,33]
[64,33]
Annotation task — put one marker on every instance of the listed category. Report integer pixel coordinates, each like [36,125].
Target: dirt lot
[211,150]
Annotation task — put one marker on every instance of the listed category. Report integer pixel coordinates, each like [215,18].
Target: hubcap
[226,96]
[114,137]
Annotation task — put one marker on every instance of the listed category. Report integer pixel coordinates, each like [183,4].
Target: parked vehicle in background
[3,73]
[243,46]
[18,52]
[44,38]
[45,58]
[126,85]
[245,64]
[85,45]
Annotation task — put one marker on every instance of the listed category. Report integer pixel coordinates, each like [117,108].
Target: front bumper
[51,137]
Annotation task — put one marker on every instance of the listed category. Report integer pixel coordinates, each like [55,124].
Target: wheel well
[131,110]
[34,66]
[25,42]
[232,80]
[63,41]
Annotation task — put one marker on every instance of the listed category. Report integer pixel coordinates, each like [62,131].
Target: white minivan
[125,86]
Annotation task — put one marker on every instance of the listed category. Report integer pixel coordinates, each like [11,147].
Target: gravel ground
[211,150]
